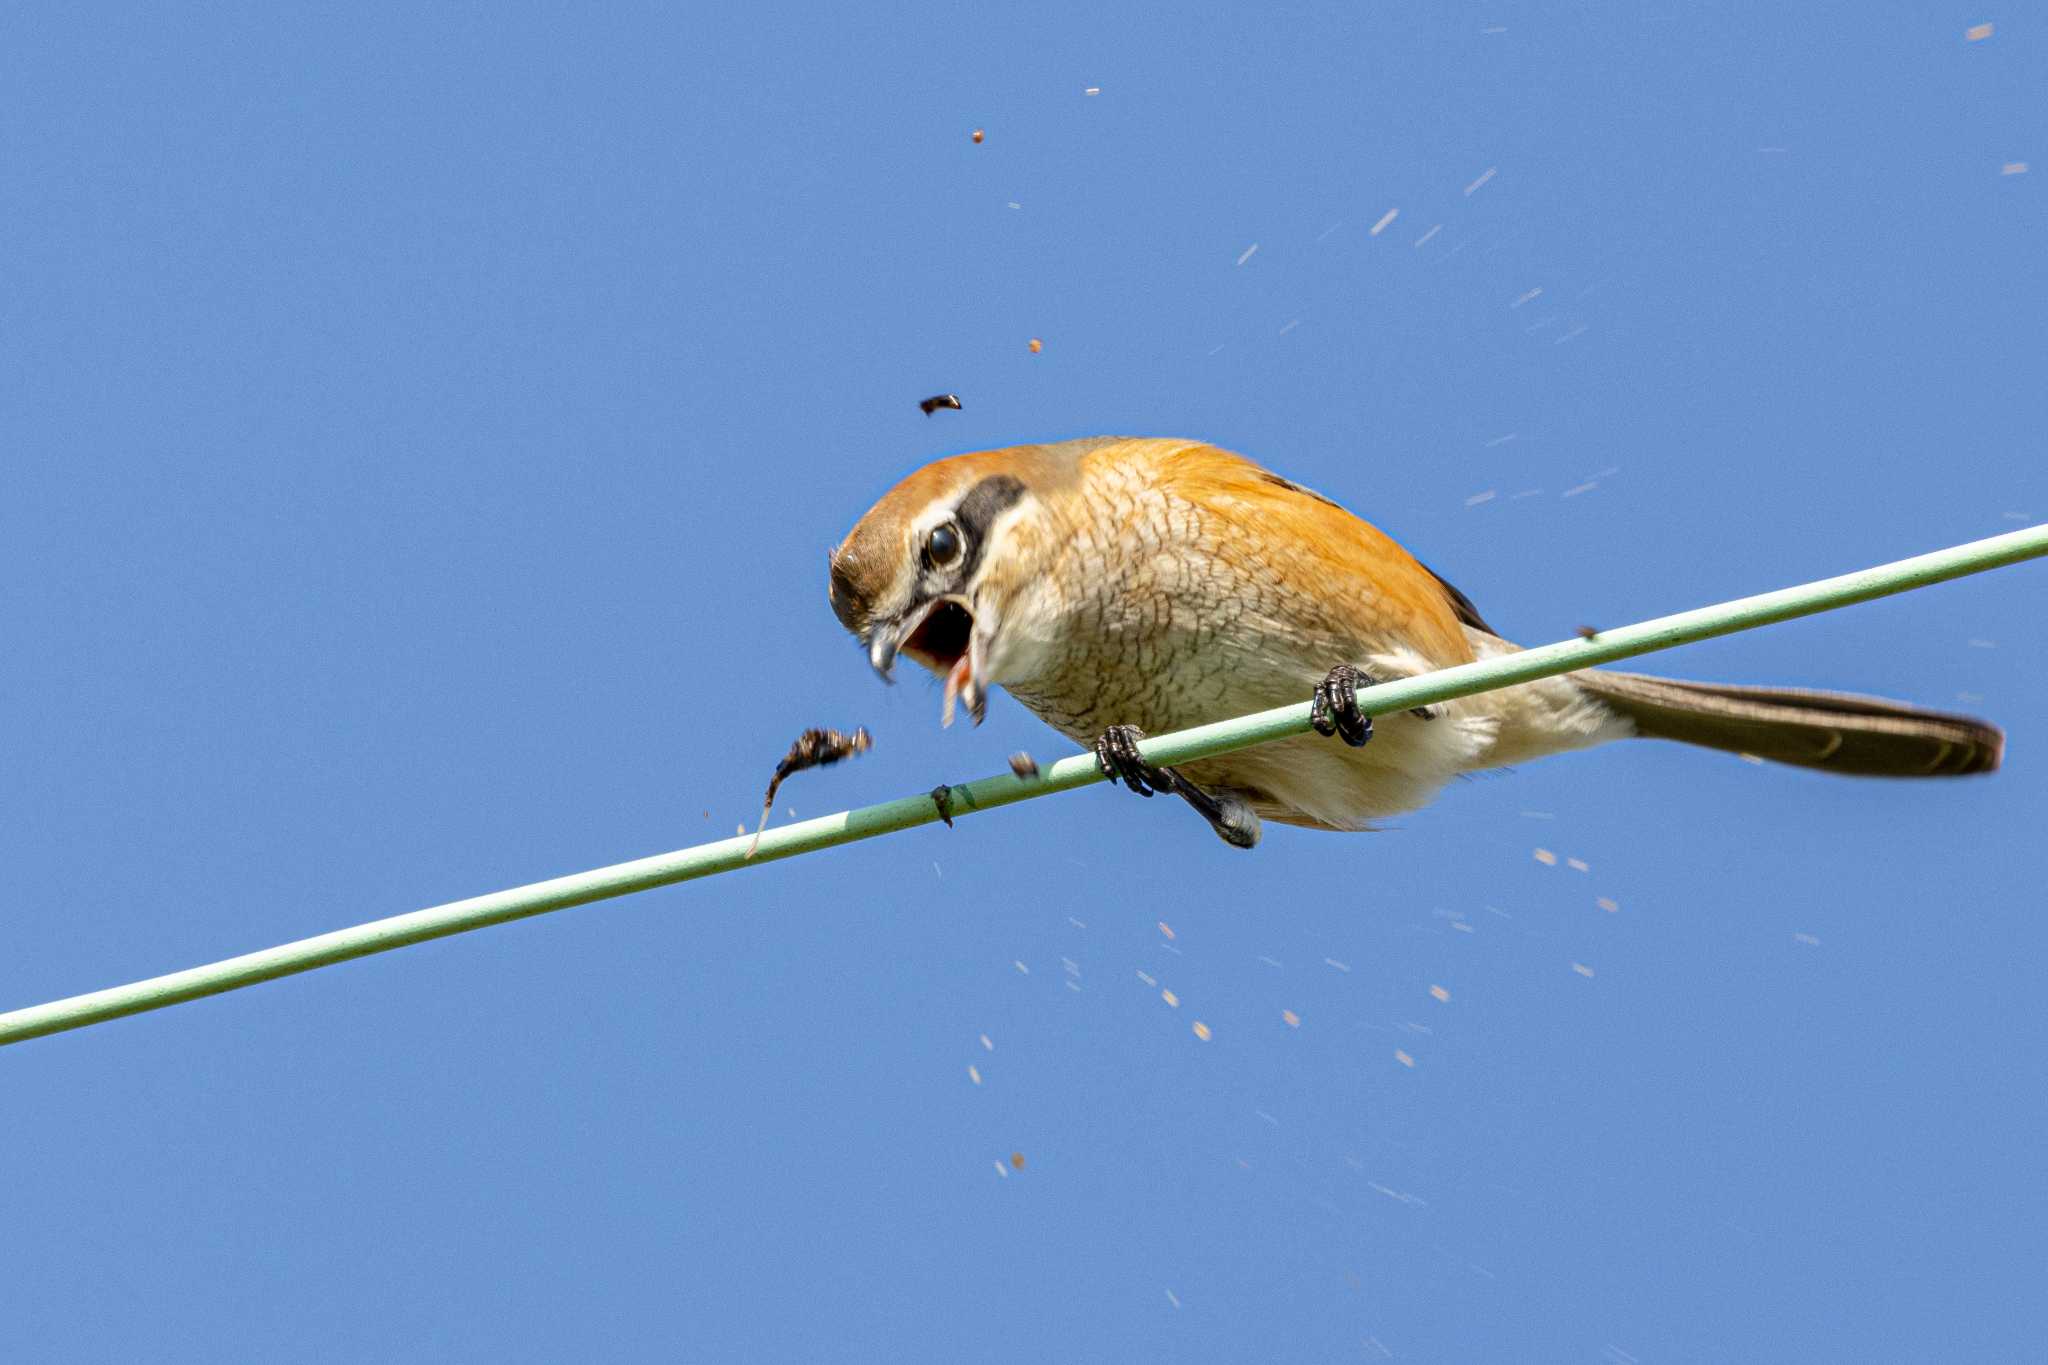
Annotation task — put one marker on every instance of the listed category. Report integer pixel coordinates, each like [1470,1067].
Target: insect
[928,406]
[1024,765]
[813,749]
[1118,585]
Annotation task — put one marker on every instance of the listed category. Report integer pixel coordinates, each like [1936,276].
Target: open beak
[941,635]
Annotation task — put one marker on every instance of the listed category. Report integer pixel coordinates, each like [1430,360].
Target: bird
[1117,586]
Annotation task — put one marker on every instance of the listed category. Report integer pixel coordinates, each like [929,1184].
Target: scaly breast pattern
[1164,614]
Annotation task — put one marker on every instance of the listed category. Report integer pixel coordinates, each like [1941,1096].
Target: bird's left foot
[1116,754]
[1230,815]
[1335,708]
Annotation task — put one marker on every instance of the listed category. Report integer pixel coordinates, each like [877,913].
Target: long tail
[1834,731]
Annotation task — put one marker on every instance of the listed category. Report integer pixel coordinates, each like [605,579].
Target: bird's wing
[1384,591]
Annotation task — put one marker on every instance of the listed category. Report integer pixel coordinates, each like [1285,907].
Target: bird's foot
[1116,754]
[1335,708]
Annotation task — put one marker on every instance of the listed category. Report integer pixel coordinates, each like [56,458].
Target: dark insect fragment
[813,749]
[940,400]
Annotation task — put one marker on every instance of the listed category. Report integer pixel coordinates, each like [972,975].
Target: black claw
[1335,708]
[942,798]
[1116,755]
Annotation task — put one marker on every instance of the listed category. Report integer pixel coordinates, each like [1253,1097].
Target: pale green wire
[1205,741]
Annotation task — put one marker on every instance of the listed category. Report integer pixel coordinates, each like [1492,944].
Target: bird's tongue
[963,670]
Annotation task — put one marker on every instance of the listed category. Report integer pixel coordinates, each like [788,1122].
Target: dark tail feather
[1833,731]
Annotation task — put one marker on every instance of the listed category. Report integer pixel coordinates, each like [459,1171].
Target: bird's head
[937,567]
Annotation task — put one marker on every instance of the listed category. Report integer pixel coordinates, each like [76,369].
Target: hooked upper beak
[942,634]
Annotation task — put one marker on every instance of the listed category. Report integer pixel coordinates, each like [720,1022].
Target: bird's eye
[942,547]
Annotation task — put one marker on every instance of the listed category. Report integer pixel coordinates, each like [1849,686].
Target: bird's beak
[941,635]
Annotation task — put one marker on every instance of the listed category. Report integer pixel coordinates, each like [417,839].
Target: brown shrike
[1119,585]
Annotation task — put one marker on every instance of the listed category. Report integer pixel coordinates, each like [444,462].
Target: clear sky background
[420,434]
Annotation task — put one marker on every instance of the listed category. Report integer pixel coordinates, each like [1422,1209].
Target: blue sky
[422,433]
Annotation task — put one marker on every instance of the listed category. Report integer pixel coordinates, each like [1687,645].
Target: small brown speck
[1170,998]
[977,135]
[1036,345]
[1016,1161]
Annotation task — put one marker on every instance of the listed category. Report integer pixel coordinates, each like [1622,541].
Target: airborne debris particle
[1429,234]
[1016,1161]
[1441,995]
[1170,998]
[977,135]
[1977,33]
[1582,969]
[1546,857]
[1022,968]
[1092,90]
[1340,966]
[1535,293]
[1248,253]
[939,400]
[1171,1299]
[1608,904]
[1036,345]
[1201,1030]
[1292,1019]
[813,749]
[974,1074]
[1488,496]
[1808,939]
[1381,225]
[1147,979]
[1403,1058]
[1166,929]
[1485,176]
[1577,864]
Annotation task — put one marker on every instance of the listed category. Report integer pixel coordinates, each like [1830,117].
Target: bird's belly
[1171,680]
